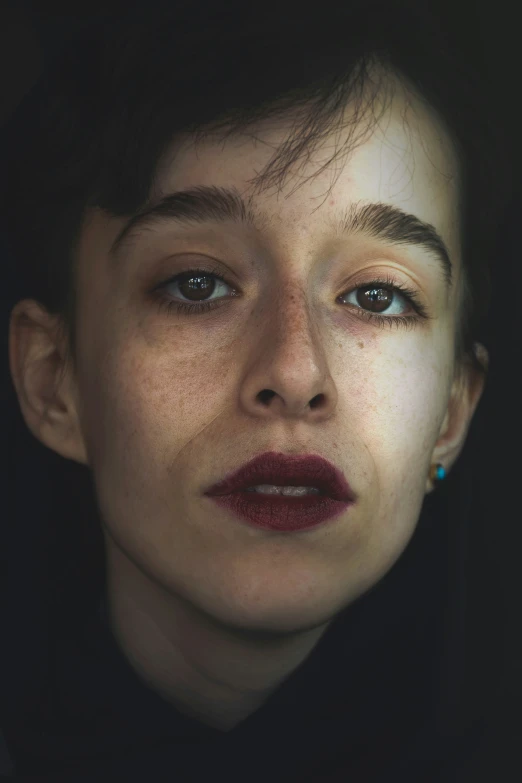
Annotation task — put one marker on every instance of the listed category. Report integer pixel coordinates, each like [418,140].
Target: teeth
[272,489]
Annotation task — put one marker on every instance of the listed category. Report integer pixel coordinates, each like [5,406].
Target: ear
[44,383]
[466,392]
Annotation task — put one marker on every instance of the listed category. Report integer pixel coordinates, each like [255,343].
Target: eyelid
[195,262]
[412,296]
[362,278]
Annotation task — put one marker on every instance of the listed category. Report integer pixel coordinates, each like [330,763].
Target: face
[165,403]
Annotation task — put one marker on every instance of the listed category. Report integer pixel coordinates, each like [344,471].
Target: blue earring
[437,473]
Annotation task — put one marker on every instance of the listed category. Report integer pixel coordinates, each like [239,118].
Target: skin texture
[212,614]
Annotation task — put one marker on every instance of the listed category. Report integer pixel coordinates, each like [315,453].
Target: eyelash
[410,294]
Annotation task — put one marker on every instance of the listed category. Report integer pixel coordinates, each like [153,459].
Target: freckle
[361,345]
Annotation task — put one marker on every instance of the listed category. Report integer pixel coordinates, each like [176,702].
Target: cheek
[386,399]
[153,403]
[395,405]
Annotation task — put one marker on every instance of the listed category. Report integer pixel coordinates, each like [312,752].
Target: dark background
[27,31]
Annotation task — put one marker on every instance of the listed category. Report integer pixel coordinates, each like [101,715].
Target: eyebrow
[211,203]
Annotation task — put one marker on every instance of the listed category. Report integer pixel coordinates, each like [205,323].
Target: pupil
[379,296]
[197,287]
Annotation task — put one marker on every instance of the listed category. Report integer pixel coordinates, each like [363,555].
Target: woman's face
[165,403]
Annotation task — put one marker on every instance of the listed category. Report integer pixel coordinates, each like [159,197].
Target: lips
[286,470]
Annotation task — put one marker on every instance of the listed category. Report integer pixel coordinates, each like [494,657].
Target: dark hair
[92,130]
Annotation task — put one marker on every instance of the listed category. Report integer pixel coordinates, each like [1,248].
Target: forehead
[398,151]
[398,154]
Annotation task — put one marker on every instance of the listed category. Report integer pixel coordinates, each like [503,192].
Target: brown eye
[379,296]
[378,299]
[196,286]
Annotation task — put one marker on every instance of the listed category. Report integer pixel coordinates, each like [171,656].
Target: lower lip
[284,514]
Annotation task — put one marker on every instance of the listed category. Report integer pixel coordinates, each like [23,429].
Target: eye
[379,297]
[375,293]
[194,282]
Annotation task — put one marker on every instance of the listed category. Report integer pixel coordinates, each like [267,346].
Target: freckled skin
[213,614]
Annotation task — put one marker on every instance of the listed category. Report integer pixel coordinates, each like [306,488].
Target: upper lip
[286,470]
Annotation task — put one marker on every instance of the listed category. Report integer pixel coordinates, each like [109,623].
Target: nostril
[266,395]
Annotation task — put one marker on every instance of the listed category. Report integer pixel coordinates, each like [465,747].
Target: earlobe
[464,399]
[436,476]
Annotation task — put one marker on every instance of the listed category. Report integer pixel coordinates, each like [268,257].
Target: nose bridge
[290,308]
[292,315]
[290,374]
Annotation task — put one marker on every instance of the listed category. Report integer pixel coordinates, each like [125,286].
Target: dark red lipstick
[283,512]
